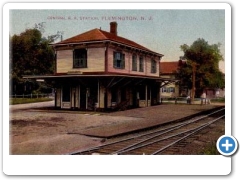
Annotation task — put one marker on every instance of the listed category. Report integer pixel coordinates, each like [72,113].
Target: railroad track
[156,140]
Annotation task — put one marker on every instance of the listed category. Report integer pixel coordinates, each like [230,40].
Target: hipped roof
[169,67]
[96,35]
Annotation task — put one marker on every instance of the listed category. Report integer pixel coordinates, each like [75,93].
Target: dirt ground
[47,132]
[36,131]
[203,143]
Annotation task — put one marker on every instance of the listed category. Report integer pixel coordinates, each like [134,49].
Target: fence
[49,95]
[176,100]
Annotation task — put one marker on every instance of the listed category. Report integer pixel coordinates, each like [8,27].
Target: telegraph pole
[193,82]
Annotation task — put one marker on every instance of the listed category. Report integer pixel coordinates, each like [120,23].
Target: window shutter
[114,59]
[75,61]
[85,60]
[123,61]
[154,66]
[141,64]
[134,63]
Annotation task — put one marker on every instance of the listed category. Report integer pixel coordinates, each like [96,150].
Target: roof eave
[144,50]
[106,41]
[90,75]
[77,43]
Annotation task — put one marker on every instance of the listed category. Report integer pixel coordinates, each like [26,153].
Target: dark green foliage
[206,59]
[30,54]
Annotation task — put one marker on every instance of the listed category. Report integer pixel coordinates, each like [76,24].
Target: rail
[172,133]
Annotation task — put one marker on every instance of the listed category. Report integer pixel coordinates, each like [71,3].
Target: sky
[162,31]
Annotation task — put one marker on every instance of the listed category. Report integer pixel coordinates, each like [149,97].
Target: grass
[218,100]
[13,101]
[210,149]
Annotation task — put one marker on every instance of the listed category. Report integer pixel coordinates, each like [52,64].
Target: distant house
[215,92]
[172,88]
[101,70]
[168,70]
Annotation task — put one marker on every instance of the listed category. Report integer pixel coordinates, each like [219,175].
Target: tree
[52,38]
[30,54]
[202,62]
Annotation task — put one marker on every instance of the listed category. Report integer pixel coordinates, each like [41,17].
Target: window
[134,63]
[141,65]
[164,89]
[168,89]
[172,89]
[153,66]
[80,58]
[118,60]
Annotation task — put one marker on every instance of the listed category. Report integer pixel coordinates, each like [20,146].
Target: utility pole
[193,82]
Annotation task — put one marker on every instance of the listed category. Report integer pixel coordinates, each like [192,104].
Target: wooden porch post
[150,96]
[87,98]
[98,94]
[146,96]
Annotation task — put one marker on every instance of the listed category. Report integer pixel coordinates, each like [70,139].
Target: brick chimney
[113,28]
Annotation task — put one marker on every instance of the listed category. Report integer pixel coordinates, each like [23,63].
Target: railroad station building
[102,70]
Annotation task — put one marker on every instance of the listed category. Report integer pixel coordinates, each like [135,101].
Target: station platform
[145,118]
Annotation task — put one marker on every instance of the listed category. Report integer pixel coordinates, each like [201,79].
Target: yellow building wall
[172,85]
[95,61]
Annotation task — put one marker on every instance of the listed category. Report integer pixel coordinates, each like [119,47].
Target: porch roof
[91,75]
[162,80]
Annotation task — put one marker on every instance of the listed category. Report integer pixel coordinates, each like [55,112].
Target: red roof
[168,67]
[100,35]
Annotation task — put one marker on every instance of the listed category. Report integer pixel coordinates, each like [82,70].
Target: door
[66,96]
[83,98]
